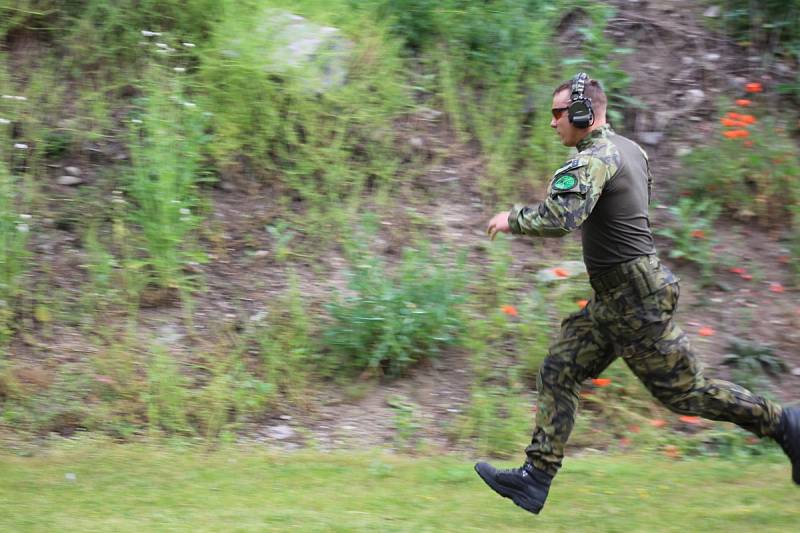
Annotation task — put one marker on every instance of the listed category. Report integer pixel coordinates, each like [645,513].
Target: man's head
[569,134]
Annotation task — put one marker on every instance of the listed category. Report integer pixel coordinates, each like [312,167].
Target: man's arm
[571,196]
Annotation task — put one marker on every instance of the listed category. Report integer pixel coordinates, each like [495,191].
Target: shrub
[393,320]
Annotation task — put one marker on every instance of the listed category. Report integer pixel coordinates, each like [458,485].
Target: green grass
[156,488]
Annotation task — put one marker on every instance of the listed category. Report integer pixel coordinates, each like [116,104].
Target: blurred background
[264,221]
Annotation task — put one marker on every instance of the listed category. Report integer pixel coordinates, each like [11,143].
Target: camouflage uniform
[630,314]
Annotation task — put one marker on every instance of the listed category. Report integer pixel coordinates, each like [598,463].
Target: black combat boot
[526,486]
[788,436]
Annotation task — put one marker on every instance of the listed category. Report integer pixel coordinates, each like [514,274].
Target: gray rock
[694,97]
[69,180]
[281,432]
[712,12]
[295,46]
[651,137]
[72,171]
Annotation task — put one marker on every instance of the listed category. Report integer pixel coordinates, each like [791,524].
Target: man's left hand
[498,223]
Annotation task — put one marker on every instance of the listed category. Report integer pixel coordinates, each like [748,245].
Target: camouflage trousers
[630,316]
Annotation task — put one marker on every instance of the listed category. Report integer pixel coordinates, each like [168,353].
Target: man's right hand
[498,223]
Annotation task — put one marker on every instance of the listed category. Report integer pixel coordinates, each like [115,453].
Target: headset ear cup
[580,113]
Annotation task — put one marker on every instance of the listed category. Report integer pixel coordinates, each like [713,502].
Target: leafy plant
[392,320]
[166,150]
[691,233]
[752,359]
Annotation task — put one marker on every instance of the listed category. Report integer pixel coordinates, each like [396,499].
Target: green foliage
[753,178]
[14,231]
[691,232]
[599,56]
[752,362]
[284,343]
[278,116]
[394,319]
[765,23]
[165,395]
[166,150]
[489,64]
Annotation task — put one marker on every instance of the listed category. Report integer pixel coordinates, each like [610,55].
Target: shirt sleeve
[572,194]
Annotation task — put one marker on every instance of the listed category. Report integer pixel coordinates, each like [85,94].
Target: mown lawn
[102,487]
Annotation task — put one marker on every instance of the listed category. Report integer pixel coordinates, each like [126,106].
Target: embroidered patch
[565,182]
[571,164]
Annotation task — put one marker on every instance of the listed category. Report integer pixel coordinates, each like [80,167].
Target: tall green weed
[166,156]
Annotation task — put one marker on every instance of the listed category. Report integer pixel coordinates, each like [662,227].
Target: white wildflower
[185,211]
[7,97]
[21,146]
[162,45]
[136,121]
[24,216]
[179,69]
[190,105]
[20,98]
[23,228]
[4,121]
[188,45]
[147,33]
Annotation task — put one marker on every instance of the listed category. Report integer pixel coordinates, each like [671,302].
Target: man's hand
[498,223]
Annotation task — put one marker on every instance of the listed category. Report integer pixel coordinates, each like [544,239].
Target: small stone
[712,56]
[695,96]
[72,171]
[686,60]
[416,142]
[69,180]
[70,476]
[261,254]
[651,137]
[712,12]
[285,417]
[281,432]
[796,371]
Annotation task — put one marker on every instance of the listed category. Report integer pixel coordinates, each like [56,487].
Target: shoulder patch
[565,182]
[569,165]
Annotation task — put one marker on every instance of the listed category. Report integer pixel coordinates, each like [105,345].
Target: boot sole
[518,497]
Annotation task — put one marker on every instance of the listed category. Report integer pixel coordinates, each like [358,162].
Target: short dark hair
[593,91]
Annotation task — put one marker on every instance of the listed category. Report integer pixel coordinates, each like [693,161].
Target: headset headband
[578,86]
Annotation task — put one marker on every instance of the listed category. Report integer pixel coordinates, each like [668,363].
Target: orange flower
[748,143]
[734,116]
[625,442]
[737,270]
[753,87]
[748,119]
[658,423]
[582,303]
[560,272]
[732,123]
[694,420]
[510,310]
[601,382]
[633,428]
[736,134]
[744,102]
[775,287]
[706,331]
[784,259]
[746,277]
[698,234]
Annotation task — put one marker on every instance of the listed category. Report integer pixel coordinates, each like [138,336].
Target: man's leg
[667,366]
[580,352]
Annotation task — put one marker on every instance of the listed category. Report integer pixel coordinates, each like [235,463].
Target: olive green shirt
[605,191]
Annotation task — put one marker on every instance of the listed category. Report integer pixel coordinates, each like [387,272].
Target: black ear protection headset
[580,108]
